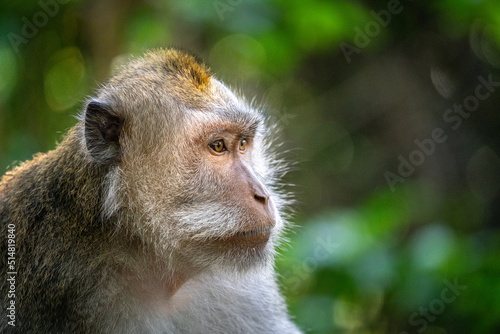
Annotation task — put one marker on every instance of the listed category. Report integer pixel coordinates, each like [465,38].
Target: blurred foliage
[420,256]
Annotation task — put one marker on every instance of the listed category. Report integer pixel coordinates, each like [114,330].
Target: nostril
[261,199]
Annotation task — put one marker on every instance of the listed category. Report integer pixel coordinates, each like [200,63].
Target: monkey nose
[264,204]
[262,199]
[260,193]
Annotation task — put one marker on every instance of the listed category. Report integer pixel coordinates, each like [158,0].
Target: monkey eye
[218,146]
[243,144]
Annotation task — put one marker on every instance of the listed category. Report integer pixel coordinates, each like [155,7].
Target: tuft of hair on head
[186,67]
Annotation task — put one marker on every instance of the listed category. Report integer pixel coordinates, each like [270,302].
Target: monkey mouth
[257,237]
[254,233]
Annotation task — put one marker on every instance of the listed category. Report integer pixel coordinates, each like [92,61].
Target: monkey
[159,212]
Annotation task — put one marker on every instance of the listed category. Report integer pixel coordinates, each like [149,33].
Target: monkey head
[189,171]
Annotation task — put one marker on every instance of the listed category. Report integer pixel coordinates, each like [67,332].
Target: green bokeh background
[366,256]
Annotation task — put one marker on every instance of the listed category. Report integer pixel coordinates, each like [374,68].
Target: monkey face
[200,192]
[225,209]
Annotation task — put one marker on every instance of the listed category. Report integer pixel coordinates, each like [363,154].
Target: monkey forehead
[224,111]
[207,124]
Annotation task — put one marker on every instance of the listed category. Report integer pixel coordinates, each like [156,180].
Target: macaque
[159,212]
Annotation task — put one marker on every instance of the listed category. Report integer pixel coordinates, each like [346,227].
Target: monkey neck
[147,278]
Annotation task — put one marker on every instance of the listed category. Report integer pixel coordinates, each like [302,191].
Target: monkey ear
[102,132]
